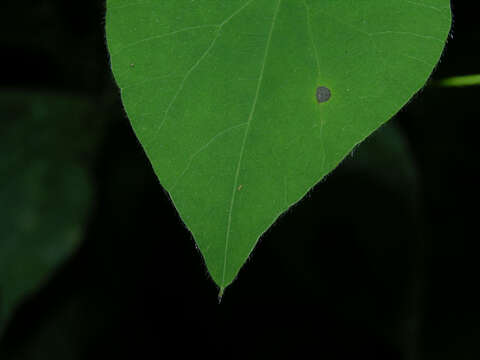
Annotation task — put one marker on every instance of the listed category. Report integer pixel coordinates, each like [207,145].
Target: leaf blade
[231,123]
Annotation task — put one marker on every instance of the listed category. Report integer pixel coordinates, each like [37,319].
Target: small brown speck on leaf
[240,187]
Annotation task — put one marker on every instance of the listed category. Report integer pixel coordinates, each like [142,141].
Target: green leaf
[45,192]
[223,97]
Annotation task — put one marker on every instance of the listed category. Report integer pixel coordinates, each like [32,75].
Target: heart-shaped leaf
[243,105]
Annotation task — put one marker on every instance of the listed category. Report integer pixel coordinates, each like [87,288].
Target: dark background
[379,261]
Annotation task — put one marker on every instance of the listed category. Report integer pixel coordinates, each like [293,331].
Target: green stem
[460,81]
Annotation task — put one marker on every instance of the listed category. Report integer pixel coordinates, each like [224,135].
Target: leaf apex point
[220,294]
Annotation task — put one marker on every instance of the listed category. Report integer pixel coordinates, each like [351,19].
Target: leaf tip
[220,295]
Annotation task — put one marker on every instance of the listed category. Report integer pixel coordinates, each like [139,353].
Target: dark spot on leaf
[323,94]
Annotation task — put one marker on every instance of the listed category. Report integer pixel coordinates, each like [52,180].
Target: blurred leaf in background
[377,236]
[45,189]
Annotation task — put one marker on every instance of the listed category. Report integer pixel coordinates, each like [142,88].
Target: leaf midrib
[242,149]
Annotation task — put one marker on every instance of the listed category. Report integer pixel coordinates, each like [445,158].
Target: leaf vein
[204,55]
[202,148]
[242,149]
[156,37]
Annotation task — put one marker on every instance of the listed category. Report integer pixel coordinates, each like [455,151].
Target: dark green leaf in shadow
[45,191]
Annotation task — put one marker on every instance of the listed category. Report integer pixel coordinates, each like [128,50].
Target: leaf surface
[223,95]
[45,192]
